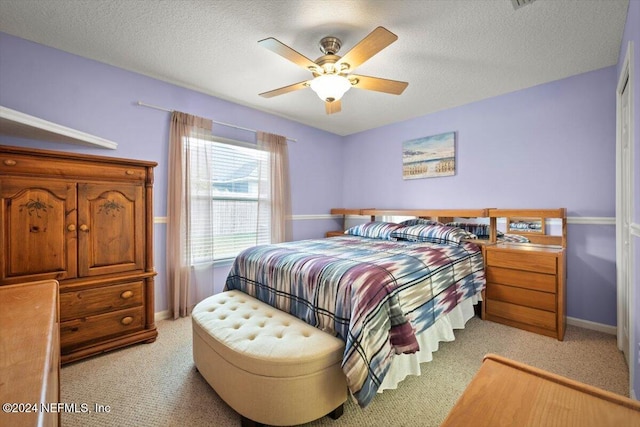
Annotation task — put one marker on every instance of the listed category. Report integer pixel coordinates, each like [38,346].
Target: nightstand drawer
[518,313]
[525,260]
[524,297]
[522,279]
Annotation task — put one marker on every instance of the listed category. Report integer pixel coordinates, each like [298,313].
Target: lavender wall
[632,33]
[99,99]
[548,146]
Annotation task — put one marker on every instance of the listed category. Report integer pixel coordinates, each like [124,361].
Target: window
[229,192]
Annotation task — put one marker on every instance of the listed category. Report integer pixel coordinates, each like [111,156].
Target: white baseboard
[586,324]
[162,315]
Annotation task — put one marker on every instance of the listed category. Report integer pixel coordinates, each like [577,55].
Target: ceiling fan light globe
[330,86]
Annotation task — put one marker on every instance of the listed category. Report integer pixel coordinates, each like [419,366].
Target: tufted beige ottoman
[269,366]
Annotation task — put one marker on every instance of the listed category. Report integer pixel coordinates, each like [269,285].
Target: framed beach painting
[429,157]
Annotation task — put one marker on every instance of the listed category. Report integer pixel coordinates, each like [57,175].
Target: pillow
[374,230]
[432,233]
[419,221]
[480,230]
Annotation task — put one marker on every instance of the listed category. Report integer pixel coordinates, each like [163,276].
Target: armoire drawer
[93,301]
[92,328]
[525,297]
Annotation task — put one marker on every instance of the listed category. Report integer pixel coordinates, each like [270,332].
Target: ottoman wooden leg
[337,413]
[246,422]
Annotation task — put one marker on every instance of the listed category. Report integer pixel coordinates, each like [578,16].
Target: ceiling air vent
[517,4]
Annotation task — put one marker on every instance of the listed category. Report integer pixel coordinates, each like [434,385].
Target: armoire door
[38,235]
[111,228]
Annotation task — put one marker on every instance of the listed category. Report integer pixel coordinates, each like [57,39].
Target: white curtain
[184,129]
[190,211]
[275,197]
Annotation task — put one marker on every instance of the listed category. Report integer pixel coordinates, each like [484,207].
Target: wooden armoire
[87,222]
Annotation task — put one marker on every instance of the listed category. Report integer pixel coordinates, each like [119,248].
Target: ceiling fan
[332,73]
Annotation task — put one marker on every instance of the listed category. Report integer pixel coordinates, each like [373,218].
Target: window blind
[230,198]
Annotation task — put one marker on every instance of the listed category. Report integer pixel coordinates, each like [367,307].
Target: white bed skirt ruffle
[404,365]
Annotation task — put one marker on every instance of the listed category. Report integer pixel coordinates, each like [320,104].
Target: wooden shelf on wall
[21,125]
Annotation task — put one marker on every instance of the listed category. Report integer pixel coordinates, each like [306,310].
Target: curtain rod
[144,104]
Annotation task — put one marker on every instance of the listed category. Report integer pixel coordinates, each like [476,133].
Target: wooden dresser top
[28,335]
[509,393]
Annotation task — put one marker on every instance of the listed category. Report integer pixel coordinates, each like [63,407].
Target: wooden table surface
[508,393]
[29,353]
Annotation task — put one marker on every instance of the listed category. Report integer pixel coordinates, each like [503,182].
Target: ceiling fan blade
[285,89]
[393,87]
[333,107]
[288,53]
[373,43]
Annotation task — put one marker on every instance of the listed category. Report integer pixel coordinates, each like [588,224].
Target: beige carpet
[157,385]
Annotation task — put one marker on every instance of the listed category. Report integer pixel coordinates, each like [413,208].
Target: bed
[391,292]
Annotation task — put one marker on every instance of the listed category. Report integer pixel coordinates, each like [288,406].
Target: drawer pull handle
[84,227]
[10,162]
[129,172]
[126,294]
[71,227]
[126,320]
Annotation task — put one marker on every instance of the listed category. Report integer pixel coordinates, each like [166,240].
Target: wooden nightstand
[526,287]
[334,233]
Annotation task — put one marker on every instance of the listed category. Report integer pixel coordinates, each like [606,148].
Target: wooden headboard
[449,215]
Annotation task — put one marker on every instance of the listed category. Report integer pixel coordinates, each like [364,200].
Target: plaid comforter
[376,295]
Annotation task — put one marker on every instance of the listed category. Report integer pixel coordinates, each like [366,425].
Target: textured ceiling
[450,52]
